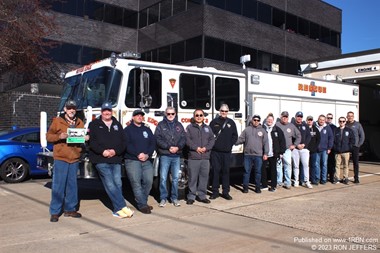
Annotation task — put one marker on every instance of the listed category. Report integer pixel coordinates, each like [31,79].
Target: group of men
[268,147]
[300,152]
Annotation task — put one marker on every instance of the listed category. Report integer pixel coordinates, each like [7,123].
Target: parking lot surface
[333,218]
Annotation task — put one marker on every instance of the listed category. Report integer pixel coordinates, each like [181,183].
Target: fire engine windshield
[92,88]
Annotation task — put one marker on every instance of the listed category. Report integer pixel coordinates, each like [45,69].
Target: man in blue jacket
[344,141]
[107,145]
[324,148]
[170,137]
[140,143]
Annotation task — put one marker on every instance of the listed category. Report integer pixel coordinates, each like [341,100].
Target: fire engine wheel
[14,170]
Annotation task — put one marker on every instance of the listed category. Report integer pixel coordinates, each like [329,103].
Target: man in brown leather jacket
[64,194]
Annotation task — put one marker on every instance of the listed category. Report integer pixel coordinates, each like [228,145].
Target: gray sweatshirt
[291,133]
[255,141]
[357,128]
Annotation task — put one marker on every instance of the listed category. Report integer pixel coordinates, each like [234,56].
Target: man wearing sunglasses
[170,138]
[256,148]
[226,135]
[344,141]
[331,156]
[200,140]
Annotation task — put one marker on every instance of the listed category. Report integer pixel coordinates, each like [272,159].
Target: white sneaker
[176,203]
[128,212]
[162,203]
[296,184]
[308,185]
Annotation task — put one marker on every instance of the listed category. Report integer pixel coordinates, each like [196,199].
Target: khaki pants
[343,159]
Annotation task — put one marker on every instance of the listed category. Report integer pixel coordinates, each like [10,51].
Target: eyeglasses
[198,115]
[256,120]
[342,121]
[223,111]
[309,120]
[170,113]
[70,108]
[284,116]
[329,118]
[299,116]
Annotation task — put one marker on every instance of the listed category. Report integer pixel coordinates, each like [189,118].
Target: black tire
[14,170]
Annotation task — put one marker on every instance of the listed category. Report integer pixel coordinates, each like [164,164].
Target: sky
[360,24]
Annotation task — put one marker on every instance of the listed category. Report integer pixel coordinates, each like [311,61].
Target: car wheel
[14,170]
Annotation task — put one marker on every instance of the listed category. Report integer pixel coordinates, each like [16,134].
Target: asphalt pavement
[333,218]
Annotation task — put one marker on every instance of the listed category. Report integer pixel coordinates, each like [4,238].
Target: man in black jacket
[276,150]
[106,153]
[226,135]
[313,144]
[170,138]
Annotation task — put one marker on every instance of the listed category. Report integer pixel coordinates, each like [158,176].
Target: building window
[325,35]
[214,49]
[179,6]
[234,6]
[291,23]
[314,31]
[178,52]
[113,15]
[217,3]
[153,12]
[143,18]
[265,13]
[303,27]
[94,10]
[253,53]
[165,9]
[264,61]
[130,19]
[250,8]
[232,53]
[278,18]
[193,48]
[164,54]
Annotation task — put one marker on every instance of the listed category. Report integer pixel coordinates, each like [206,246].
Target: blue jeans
[64,190]
[321,167]
[166,163]
[110,174]
[257,161]
[140,175]
[287,162]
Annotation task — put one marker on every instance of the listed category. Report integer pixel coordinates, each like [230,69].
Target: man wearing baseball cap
[64,192]
[256,148]
[292,139]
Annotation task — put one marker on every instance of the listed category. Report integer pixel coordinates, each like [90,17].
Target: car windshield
[92,88]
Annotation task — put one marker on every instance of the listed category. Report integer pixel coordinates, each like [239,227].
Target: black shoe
[356,181]
[73,214]
[214,196]
[245,189]
[227,196]
[146,210]
[54,218]
[272,189]
[258,190]
[206,201]
[345,181]
[190,201]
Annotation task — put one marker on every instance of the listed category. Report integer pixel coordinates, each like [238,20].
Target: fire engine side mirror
[146,98]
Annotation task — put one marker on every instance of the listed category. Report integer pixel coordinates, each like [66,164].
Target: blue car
[18,153]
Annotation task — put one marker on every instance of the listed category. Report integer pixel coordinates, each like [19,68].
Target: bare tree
[23,26]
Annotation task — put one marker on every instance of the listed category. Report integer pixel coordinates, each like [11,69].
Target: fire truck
[131,84]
